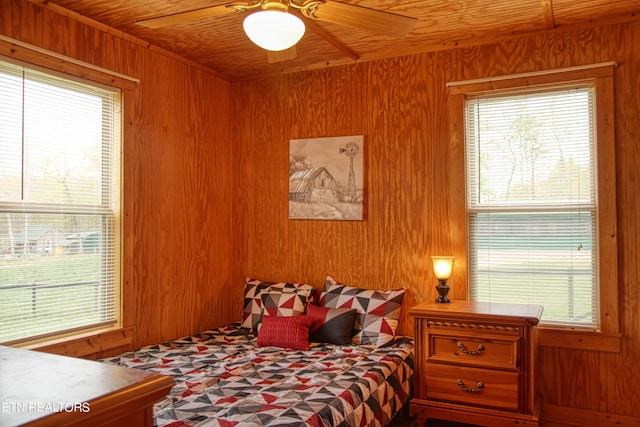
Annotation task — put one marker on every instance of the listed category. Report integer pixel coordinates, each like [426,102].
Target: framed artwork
[326,178]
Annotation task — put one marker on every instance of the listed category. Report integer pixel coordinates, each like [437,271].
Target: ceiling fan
[381,22]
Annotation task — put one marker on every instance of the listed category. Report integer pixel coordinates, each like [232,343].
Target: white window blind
[531,198]
[59,204]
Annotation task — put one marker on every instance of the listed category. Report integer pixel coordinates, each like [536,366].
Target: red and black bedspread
[224,379]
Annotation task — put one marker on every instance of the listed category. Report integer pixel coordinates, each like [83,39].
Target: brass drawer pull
[478,352]
[479,386]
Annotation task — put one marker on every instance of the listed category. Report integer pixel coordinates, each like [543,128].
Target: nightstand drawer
[473,386]
[495,352]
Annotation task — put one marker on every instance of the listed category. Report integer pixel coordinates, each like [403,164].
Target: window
[532,203]
[540,191]
[59,204]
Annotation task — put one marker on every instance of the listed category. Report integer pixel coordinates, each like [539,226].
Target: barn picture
[313,186]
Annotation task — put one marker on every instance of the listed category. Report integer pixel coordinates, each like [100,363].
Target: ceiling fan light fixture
[273,29]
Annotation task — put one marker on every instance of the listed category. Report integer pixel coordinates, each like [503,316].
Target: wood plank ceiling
[220,44]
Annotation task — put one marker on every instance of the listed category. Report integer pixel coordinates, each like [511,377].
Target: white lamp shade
[442,266]
[273,29]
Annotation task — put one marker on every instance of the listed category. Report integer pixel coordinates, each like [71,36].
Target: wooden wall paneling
[564,386]
[152,191]
[184,239]
[457,189]
[279,115]
[605,386]
[127,294]
[346,115]
[210,187]
[393,104]
[244,216]
[560,368]
[186,261]
[627,155]
[390,150]
[311,116]
[627,78]
[268,154]
[563,416]
[599,365]
[445,186]
[409,198]
[406,199]
[621,45]
[308,115]
[177,176]
[405,117]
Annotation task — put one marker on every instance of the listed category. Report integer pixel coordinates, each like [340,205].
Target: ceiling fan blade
[377,21]
[329,38]
[282,55]
[184,17]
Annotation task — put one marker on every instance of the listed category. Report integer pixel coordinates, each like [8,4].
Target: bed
[288,362]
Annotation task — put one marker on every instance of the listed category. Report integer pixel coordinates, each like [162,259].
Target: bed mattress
[224,379]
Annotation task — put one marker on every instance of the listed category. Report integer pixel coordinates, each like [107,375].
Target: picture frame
[326,178]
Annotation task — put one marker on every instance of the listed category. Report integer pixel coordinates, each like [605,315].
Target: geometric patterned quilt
[223,379]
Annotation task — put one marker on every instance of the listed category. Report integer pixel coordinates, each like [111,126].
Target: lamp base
[443,290]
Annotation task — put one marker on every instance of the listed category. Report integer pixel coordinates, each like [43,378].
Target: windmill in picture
[351,150]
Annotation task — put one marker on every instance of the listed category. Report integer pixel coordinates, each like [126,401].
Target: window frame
[601,78]
[91,341]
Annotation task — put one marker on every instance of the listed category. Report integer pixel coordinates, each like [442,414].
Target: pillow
[378,311]
[253,289]
[331,325]
[285,331]
[283,304]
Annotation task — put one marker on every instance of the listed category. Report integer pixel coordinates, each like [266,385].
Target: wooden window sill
[581,340]
[87,343]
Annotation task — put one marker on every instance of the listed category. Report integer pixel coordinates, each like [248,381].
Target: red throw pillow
[285,331]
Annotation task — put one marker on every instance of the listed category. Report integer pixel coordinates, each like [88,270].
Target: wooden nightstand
[475,363]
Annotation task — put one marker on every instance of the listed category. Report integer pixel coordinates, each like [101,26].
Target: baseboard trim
[564,416]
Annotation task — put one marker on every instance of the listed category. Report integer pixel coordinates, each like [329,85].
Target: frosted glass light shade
[273,29]
[442,266]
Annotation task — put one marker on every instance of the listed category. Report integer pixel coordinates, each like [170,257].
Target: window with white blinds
[531,199]
[59,204]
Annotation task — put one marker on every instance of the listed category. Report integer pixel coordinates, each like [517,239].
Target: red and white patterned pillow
[378,311]
[285,332]
[276,303]
[253,290]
